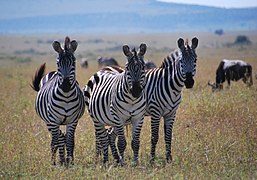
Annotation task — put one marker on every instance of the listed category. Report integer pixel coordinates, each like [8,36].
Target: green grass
[214,135]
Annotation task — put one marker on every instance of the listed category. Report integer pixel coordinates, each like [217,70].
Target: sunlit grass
[214,135]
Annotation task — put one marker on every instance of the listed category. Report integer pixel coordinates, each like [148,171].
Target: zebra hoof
[169,159]
[69,161]
[62,163]
[152,160]
[135,164]
[121,161]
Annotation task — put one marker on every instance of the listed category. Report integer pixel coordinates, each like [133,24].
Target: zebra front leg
[168,125]
[112,139]
[61,147]
[135,143]
[70,135]
[98,147]
[121,143]
[155,124]
[54,142]
[102,136]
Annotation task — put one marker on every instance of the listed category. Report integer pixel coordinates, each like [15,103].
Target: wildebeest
[232,70]
[104,61]
[84,63]
[150,65]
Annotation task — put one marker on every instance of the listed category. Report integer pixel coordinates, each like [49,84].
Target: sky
[218,3]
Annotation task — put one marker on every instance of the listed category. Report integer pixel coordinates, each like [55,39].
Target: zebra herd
[114,97]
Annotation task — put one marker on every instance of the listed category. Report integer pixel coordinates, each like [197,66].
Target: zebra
[114,98]
[60,100]
[163,92]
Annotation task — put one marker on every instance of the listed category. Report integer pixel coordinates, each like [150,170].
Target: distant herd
[116,96]
[228,70]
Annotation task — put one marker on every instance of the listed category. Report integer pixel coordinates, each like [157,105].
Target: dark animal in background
[232,70]
[104,61]
[84,63]
[150,65]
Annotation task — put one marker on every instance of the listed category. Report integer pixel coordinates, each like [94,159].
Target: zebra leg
[70,135]
[112,138]
[98,146]
[168,125]
[61,147]
[54,130]
[121,143]
[135,143]
[101,135]
[155,124]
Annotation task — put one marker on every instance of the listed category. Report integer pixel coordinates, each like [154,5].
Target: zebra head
[188,60]
[66,64]
[135,70]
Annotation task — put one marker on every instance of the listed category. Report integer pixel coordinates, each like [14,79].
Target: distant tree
[242,40]
[219,32]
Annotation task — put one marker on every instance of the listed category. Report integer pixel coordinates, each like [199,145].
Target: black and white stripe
[163,92]
[113,98]
[60,101]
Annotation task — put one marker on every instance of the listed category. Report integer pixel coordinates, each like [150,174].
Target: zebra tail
[37,78]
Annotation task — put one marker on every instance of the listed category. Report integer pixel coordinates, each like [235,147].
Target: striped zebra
[60,101]
[114,98]
[163,92]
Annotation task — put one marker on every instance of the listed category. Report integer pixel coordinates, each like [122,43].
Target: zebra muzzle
[66,86]
[189,82]
[136,89]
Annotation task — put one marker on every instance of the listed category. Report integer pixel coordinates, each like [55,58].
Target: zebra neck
[58,90]
[179,70]
[175,76]
[124,88]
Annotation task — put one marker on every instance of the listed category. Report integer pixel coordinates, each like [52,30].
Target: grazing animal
[60,100]
[150,65]
[114,98]
[232,70]
[103,61]
[163,92]
[84,63]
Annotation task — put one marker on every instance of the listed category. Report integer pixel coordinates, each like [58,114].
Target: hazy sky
[219,3]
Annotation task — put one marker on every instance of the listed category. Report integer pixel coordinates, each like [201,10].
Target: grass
[214,135]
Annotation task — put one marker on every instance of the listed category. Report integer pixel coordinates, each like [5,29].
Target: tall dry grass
[214,135]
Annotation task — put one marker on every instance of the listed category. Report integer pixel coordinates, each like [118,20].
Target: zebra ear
[181,44]
[194,43]
[73,45]
[127,51]
[142,49]
[57,47]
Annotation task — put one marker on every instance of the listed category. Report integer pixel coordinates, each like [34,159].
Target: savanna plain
[214,135]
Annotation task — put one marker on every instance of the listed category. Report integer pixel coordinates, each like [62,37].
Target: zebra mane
[171,59]
[67,44]
[134,52]
[186,43]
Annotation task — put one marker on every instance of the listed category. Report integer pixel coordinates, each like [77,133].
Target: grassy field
[215,134]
